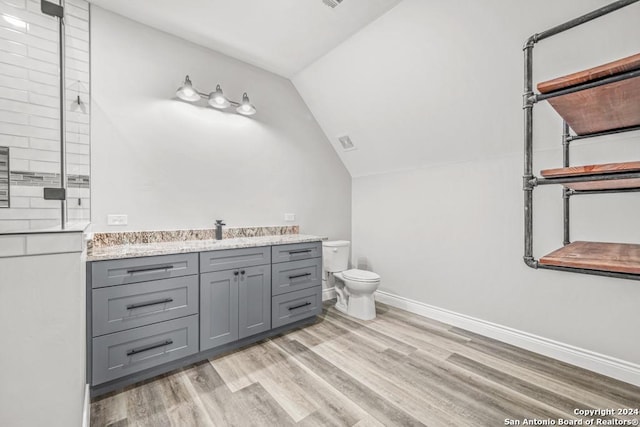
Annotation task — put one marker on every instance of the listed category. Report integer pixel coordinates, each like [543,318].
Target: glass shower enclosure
[44,115]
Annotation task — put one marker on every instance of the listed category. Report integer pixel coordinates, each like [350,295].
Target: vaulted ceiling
[282,36]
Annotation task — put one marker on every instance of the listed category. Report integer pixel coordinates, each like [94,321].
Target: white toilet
[354,288]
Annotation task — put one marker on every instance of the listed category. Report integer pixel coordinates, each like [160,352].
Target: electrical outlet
[289,217]
[117,219]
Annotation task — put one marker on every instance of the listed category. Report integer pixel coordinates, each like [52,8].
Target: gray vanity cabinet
[235,303]
[218,308]
[149,315]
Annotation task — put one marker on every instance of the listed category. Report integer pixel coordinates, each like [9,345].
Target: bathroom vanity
[150,311]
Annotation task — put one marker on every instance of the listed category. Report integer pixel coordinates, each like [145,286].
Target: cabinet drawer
[293,306]
[296,275]
[124,353]
[234,258]
[117,308]
[133,270]
[295,252]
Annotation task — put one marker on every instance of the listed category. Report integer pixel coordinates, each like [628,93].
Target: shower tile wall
[29,112]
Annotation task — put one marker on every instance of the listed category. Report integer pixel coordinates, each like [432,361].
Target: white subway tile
[13,71]
[47,101]
[45,33]
[73,148]
[42,55]
[78,117]
[19,165]
[77,33]
[33,154]
[74,43]
[81,4]
[41,203]
[14,83]
[20,202]
[13,141]
[44,144]
[80,159]
[23,130]
[7,226]
[11,117]
[25,107]
[75,75]
[21,4]
[78,12]
[49,167]
[13,47]
[26,191]
[77,65]
[14,94]
[43,66]
[77,23]
[44,122]
[78,54]
[24,213]
[75,169]
[44,78]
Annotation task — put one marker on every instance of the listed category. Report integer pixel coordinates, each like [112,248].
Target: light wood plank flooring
[398,370]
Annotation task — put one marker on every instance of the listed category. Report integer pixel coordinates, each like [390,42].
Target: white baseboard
[329,293]
[86,407]
[600,363]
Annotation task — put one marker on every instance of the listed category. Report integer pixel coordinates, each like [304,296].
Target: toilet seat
[360,275]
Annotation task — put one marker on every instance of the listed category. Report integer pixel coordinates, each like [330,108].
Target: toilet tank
[335,255]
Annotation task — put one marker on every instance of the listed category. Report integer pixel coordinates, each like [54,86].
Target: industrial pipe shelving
[568,94]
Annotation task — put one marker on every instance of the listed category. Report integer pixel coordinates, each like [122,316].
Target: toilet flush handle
[335,250]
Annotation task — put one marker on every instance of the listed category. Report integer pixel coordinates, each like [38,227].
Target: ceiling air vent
[346,143]
[332,3]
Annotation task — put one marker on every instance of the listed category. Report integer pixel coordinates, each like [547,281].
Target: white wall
[42,324]
[431,95]
[169,164]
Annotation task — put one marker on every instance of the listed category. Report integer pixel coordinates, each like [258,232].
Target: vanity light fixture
[215,99]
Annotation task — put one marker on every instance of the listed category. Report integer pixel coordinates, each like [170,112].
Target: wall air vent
[346,143]
[332,3]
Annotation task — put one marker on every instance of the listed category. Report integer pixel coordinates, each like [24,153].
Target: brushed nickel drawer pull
[299,252]
[299,275]
[140,270]
[300,306]
[148,303]
[148,347]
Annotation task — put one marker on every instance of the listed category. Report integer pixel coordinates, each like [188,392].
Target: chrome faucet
[219,225]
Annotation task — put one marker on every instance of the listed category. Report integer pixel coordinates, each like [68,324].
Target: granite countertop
[167,248]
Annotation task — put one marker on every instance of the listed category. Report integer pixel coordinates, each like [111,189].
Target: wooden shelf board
[602,108]
[629,63]
[592,169]
[597,170]
[616,257]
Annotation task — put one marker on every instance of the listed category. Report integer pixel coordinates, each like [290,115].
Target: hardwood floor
[398,370]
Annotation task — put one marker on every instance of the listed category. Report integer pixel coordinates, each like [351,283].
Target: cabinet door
[218,308]
[255,300]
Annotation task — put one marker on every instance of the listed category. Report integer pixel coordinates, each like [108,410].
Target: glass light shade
[186,92]
[217,99]
[246,108]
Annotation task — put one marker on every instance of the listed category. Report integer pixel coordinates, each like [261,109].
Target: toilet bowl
[354,287]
